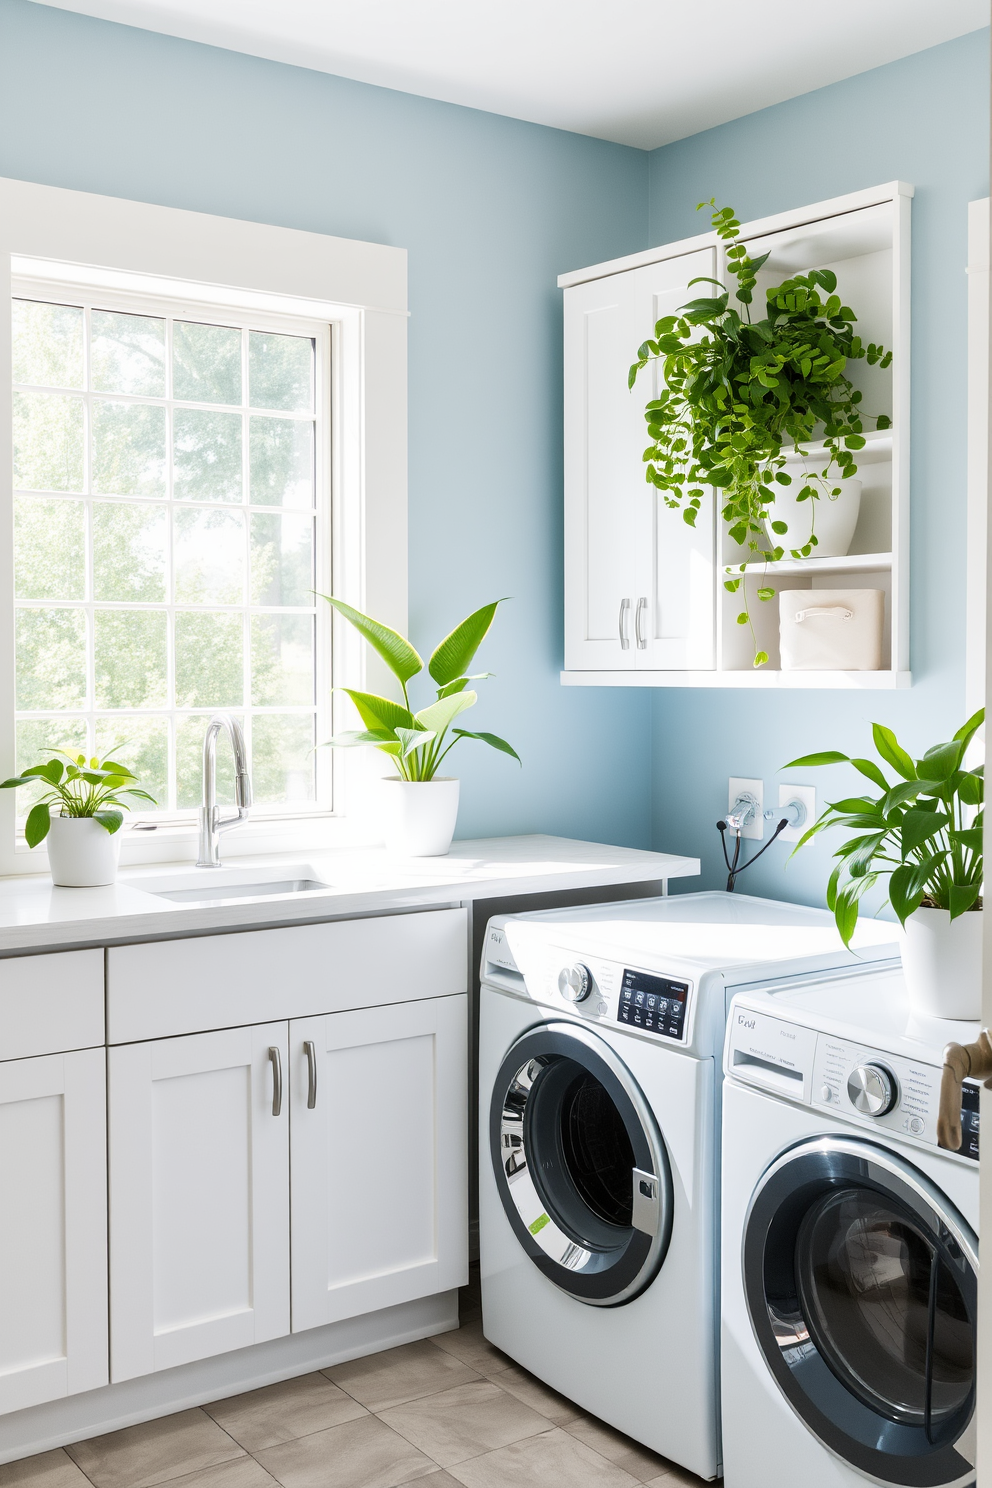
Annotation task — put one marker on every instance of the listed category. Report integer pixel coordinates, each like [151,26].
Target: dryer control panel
[864,1085]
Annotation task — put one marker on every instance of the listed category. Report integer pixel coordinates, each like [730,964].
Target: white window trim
[360,290]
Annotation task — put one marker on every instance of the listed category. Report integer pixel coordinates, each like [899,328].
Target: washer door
[580,1164]
[861,1284]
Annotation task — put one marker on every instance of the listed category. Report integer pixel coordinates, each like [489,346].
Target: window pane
[280,372]
[128,449]
[209,556]
[142,744]
[281,560]
[130,658]
[206,363]
[49,548]
[51,659]
[37,739]
[281,660]
[47,344]
[281,462]
[209,667]
[207,455]
[48,442]
[128,354]
[282,760]
[189,762]
[129,551]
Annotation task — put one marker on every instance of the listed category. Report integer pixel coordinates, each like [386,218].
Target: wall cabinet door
[53,1233]
[199,1196]
[379,1157]
[639,582]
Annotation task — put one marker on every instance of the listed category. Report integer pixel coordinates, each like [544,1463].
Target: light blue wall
[491,211]
[923,120]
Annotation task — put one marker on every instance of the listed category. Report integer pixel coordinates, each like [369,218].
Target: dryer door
[580,1165]
[861,1283]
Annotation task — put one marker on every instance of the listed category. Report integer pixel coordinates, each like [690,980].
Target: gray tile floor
[451,1410]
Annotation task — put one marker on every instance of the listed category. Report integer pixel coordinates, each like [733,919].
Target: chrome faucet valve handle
[743,812]
[211,822]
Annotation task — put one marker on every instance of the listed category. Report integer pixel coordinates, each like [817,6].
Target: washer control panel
[653,1003]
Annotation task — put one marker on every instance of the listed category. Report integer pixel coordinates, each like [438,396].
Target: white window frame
[49,234]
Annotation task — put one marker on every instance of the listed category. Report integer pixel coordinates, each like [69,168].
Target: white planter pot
[81,853]
[942,963]
[832,518]
[419,816]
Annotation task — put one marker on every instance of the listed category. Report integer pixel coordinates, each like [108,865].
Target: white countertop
[34,915]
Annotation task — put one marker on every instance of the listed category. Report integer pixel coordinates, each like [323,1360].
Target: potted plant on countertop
[923,833]
[83,836]
[741,397]
[421,806]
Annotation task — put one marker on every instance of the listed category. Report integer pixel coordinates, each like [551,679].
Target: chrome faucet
[211,824]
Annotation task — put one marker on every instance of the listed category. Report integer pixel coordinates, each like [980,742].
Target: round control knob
[575,982]
[826,1094]
[872,1089]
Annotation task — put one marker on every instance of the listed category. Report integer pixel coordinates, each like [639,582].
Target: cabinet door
[674,619]
[379,1158]
[199,1197]
[53,1235]
[604,476]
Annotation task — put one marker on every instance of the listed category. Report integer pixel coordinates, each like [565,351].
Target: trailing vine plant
[738,393]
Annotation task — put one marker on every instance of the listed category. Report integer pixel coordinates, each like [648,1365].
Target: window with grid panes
[167,511]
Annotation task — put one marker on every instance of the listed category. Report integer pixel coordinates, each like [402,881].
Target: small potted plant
[923,833]
[83,836]
[742,398]
[421,805]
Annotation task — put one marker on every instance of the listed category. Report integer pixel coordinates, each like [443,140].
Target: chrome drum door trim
[600,1258]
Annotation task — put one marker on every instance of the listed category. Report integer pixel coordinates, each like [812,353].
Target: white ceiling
[642,72]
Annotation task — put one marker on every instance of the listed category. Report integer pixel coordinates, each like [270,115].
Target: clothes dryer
[600,1037]
[849,1243]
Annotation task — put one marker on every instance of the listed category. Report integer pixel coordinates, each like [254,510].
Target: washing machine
[600,1037]
[849,1243]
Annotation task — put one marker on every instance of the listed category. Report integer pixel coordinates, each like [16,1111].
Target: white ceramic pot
[942,963]
[81,853]
[419,816]
[832,518]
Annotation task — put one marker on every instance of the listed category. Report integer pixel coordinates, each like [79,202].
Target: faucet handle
[242,790]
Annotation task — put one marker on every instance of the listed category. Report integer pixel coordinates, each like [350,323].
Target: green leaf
[918,825]
[971,788]
[966,733]
[892,751]
[352,737]
[112,821]
[846,915]
[37,825]
[453,656]
[116,769]
[460,683]
[969,837]
[870,770]
[402,660]
[16,780]
[961,897]
[413,739]
[826,757]
[940,762]
[438,716]
[493,740]
[903,791]
[905,891]
[379,712]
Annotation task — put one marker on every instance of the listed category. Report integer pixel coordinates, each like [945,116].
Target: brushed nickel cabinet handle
[622,622]
[642,643]
[311,1052]
[275,1059]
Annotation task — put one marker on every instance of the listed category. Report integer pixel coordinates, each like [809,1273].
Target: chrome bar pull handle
[311,1052]
[642,643]
[622,621]
[275,1059]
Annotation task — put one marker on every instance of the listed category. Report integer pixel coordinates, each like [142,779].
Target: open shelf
[760,678]
[850,563]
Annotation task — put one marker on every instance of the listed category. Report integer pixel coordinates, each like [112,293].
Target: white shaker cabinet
[639,582]
[199,1196]
[379,1157]
[53,1229]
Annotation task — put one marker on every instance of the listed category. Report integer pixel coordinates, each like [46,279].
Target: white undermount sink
[232,885]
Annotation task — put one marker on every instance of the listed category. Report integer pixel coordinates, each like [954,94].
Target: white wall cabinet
[639,582]
[53,1230]
[645,596]
[378,1158]
[199,1194]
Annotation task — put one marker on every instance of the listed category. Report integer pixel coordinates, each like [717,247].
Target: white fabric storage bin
[831,630]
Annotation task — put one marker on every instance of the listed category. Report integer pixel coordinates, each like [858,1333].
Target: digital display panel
[969,1121]
[653,1003]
